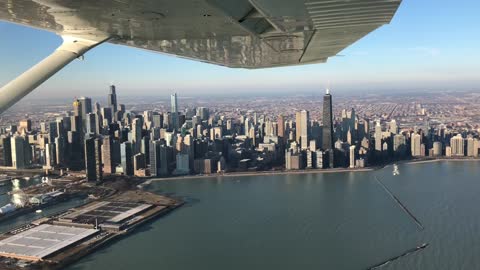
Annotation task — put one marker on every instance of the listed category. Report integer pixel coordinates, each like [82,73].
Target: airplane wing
[232,33]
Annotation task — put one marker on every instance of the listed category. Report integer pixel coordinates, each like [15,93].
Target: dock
[68,236]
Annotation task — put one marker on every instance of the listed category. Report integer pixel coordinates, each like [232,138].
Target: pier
[404,208]
[405,253]
[70,235]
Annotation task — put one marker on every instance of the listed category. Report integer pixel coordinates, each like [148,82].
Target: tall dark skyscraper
[174,111]
[86,104]
[155,158]
[112,99]
[174,104]
[126,155]
[327,131]
[93,159]
[7,151]
[107,148]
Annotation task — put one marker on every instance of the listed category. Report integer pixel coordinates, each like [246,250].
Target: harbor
[111,210]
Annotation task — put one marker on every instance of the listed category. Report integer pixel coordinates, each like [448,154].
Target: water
[5,198]
[312,221]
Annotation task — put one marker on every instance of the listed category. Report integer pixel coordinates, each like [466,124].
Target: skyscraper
[327,131]
[76,123]
[18,152]
[472,150]
[136,135]
[304,129]
[174,111]
[155,158]
[107,155]
[298,126]
[173,103]
[399,145]
[50,156]
[7,151]
[93,159]
[112,99]
[437,149]
[247,126]
[86,104]
[281,126]
[77,108]
[203,113]
[126,158]
[378,137]
[393,126]
[60,150]
[52,132]
[416,145]
[165,153]
[352,156]
[75,150]
[91,123]
[107,116]
[25,125]
[457,145]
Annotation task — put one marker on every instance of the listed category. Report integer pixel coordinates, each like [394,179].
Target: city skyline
[177,139]
[372,153]
[419,49]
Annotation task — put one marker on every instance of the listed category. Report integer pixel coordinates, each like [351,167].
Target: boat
[395,170]
[38,211]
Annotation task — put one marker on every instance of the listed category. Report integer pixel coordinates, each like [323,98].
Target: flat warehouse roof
[41,241]
[129,213]
[111,211]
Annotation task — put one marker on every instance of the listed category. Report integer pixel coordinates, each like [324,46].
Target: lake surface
[6,197]
[311,221]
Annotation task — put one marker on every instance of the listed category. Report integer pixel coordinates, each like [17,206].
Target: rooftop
[39,242]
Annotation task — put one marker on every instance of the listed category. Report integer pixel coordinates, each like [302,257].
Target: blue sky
[429,45]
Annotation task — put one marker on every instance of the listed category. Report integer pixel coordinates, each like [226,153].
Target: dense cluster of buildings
[113,140]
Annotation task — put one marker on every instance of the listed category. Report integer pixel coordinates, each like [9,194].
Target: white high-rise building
[352,156]
[457,145]
[472,147]
[416,146]
[136,135]
[437,149]
[304,126]
[378,136]
[247,126]
[393,126]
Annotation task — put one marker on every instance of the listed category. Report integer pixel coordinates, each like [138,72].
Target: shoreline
[262,173]
[420,161]
[310,171]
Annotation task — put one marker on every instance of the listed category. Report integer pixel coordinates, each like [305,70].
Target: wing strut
[70,49]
